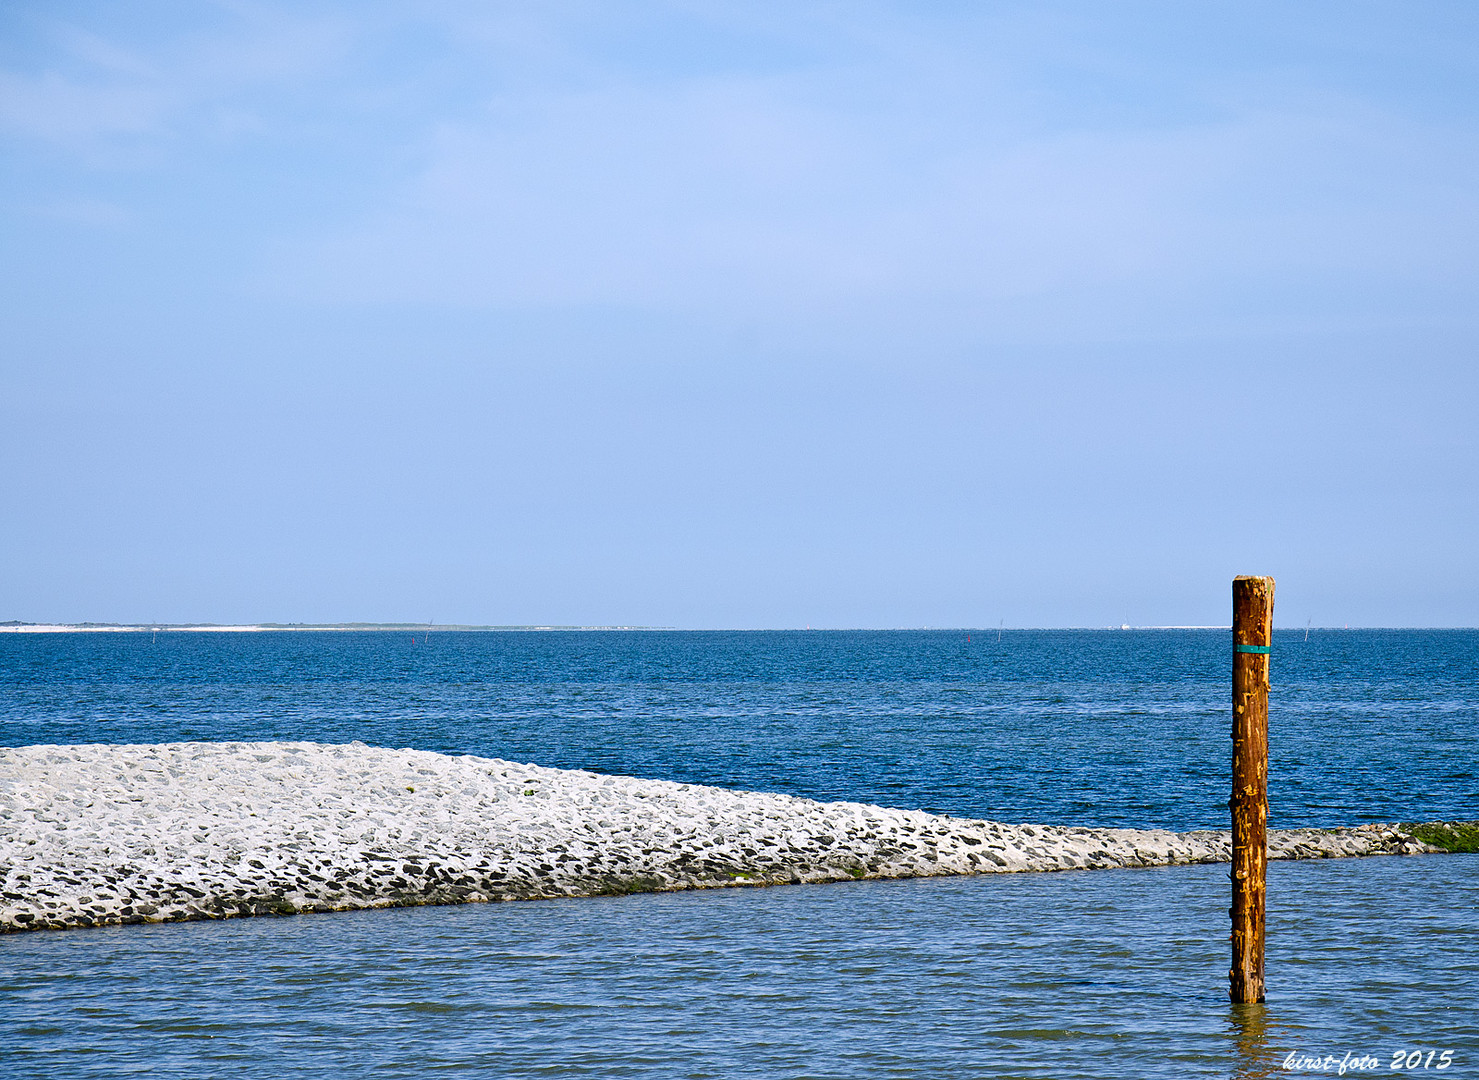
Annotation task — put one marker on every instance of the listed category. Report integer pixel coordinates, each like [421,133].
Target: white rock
[101,834]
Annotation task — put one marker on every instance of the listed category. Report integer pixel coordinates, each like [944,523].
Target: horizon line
[23,627]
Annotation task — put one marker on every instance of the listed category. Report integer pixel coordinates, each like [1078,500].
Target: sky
[739,314]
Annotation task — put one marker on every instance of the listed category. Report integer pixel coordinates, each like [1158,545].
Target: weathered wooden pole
[1253,624]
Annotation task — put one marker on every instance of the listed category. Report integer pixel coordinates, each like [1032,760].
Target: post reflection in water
[1251,1026]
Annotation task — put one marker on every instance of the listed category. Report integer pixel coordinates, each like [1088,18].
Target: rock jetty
[99,835]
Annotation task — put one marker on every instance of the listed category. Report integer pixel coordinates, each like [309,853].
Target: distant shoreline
[19,627]
[149,628]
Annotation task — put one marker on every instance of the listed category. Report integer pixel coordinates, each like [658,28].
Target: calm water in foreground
[1101,973]
[1108,973]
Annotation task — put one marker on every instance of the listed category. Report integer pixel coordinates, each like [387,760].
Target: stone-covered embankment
[96,835]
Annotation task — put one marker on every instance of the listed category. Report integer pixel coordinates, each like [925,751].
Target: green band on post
[1253,648]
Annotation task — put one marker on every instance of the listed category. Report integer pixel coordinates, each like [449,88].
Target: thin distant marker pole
[1253,618]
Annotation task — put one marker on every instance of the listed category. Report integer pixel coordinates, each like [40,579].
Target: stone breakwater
[99,835]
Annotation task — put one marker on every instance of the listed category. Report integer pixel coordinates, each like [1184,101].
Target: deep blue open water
[1098,973]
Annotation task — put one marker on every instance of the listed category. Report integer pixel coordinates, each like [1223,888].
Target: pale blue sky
[739,314]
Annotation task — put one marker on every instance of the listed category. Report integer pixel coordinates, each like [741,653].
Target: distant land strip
[18,627]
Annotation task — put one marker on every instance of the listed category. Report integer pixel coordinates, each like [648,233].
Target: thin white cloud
[67,111]
[91,92]
[749,192]
[712,158]
[89,212]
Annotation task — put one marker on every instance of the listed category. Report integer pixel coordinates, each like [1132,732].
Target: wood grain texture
[1253,610]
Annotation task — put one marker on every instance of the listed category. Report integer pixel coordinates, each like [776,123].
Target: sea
[1373,964]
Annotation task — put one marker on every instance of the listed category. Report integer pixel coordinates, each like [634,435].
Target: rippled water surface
[1114,973]
[1063,727]
[1080,974]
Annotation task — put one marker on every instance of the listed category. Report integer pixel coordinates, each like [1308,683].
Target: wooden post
[1253,619]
